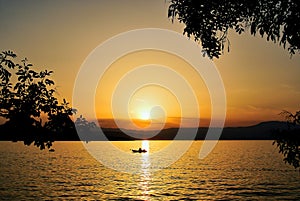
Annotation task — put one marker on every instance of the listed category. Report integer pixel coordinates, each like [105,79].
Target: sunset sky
[259,77]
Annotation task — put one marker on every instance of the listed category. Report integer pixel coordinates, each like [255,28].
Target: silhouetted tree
[29,100]
[209,21]
[288,140]
[86,129]
[82,123]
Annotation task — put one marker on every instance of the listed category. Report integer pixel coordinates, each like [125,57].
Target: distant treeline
[262,131]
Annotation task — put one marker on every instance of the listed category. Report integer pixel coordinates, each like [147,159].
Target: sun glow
[144,115]
[142,119]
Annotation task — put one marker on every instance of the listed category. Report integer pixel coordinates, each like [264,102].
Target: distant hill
[261,131]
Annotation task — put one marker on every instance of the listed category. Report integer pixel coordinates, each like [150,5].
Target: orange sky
[259,77]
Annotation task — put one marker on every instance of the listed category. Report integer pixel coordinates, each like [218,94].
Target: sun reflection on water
[145,176]
[145,145]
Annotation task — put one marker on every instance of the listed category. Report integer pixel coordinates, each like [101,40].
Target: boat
[139,150]
[51,150]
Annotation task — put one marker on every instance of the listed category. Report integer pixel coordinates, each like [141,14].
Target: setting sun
[144,115]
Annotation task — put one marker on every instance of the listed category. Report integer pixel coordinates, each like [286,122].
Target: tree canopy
[288,140]
[28,98]
[209,21]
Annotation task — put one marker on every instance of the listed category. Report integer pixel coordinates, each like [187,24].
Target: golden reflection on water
[235,170]
[145,145]
[145,176]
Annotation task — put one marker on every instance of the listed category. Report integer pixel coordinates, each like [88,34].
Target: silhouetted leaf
[49,82]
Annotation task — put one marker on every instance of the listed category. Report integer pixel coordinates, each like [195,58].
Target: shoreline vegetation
[261,131]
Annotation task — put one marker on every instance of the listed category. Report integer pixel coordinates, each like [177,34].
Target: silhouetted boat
[139,150]
[52,150]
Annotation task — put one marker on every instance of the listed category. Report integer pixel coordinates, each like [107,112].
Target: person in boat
[140,150]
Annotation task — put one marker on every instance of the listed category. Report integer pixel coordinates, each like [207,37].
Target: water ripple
[71,173]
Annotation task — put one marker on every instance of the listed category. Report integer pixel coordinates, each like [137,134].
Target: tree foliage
[288,140]
[28,100]
[88,131]
[209,21]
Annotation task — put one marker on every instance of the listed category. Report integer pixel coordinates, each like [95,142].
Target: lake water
[234,170]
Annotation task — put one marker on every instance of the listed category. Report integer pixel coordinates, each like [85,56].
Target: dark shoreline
[261,131]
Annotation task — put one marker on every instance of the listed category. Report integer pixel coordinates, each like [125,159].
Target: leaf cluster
[288,140]
[208,22]
[28,100]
